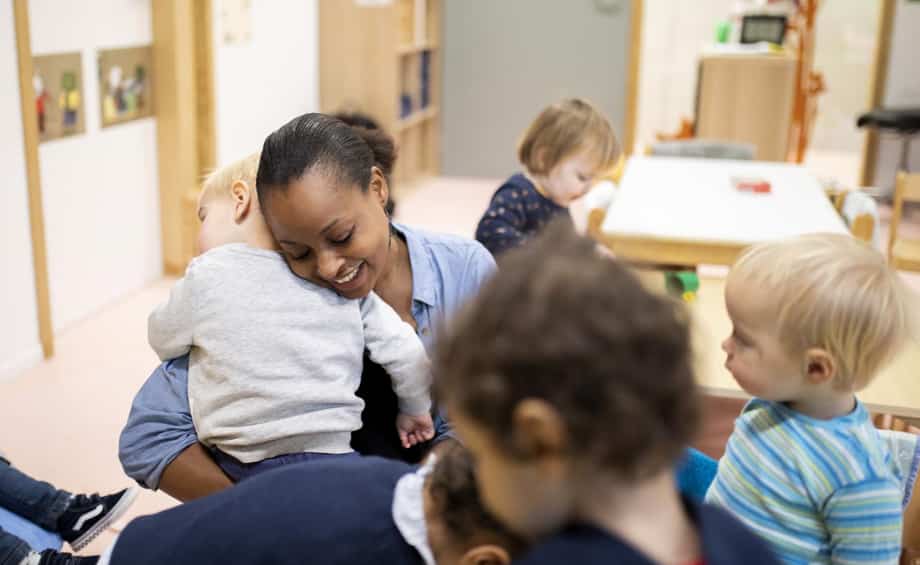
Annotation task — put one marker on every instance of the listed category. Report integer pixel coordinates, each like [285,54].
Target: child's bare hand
[414,430]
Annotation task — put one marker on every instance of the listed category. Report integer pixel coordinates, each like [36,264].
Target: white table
[688,211]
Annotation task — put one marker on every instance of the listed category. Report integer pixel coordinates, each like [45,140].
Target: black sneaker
[87,516]
[52,557]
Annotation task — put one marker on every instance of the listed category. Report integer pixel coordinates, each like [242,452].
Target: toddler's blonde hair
[221,180]
[833,292]
[563,129]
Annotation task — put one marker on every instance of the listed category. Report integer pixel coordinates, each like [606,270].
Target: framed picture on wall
[125,92]
[57,81]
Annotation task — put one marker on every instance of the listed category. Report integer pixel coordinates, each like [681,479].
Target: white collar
[409,510]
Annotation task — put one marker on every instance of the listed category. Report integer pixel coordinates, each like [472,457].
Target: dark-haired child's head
[563,374]
[460,529]
[323,186]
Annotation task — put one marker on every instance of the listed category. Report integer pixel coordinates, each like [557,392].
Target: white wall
[673,35]
[262,84]
[902,88]
[100,188]
[844,51]
[19,343]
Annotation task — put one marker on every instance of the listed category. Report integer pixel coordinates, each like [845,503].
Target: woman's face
[335,236]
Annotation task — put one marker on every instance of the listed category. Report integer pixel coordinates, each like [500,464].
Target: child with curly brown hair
[347,511]
[572,386]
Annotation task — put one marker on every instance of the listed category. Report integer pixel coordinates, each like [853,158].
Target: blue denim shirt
[447,270]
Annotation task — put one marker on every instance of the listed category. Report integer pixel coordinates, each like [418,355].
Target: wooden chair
[862,226]
[904,253]
[703,149]
[905,459]
[595,219]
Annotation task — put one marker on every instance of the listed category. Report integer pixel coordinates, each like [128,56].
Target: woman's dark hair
[321,142]
[563,324]
[361,120]
[455,496]
[357,120]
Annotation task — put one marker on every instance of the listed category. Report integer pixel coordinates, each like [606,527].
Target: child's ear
[242,200]
[820,366]
[486,555]
[538,430]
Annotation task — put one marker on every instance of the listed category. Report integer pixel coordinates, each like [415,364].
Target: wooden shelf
[411,49]
[397,42]
[416,118]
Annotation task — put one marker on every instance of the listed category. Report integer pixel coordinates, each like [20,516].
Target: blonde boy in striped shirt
[814,318]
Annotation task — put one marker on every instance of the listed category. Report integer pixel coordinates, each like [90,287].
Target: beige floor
[60,420]
[449,205]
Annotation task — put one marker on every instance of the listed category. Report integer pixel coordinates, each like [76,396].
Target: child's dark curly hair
[563,324]
[453,491]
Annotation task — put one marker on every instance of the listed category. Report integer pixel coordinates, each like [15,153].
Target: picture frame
[57,82]
[125,87]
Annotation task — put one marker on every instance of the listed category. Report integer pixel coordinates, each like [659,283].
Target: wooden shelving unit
[416,118]
[411,49]
[384,59]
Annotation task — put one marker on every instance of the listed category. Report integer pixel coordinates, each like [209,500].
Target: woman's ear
[379,187]
[242,200]
[820,366]
[486,555]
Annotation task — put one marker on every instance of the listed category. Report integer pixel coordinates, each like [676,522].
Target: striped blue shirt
[819,491]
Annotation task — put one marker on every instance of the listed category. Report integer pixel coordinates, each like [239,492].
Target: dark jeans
[12,549]
[378,435]
[36,501]
[239,471]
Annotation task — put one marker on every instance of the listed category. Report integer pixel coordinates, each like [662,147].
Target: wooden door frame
[186,142]
[33,176]
[184,94]
[877,82]
[636,12]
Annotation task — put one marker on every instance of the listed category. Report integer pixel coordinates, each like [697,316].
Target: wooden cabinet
[747,98]
[384,59]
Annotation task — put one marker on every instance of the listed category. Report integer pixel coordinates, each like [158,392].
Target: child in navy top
[343,511]
[562,152]
[572,386]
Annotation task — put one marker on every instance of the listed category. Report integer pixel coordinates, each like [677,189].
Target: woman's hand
[414,430]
